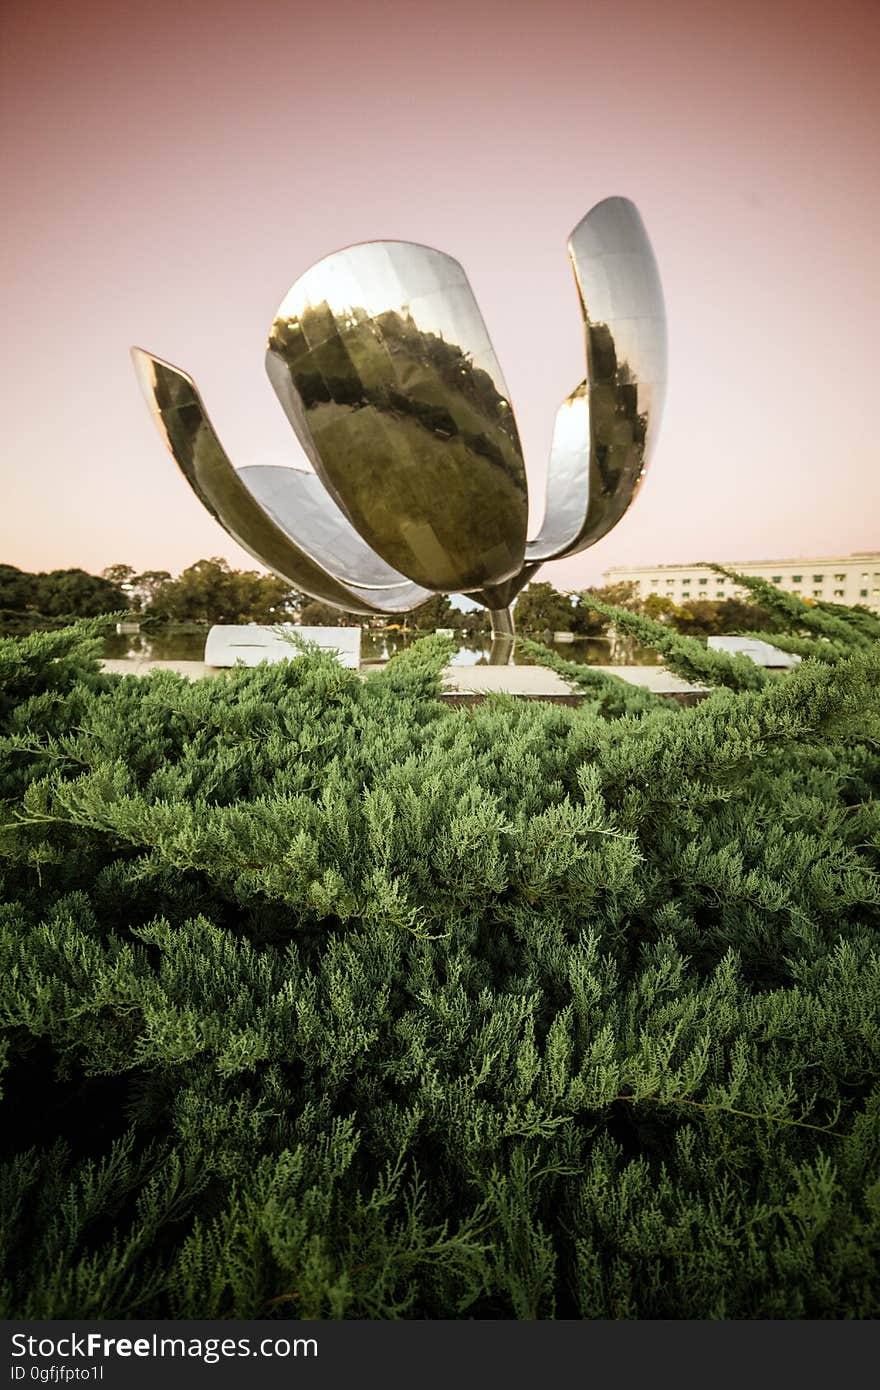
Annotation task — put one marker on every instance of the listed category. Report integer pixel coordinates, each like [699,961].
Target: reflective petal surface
[382,362]
[183,422]
[568,478]
[606,428]
[299,503]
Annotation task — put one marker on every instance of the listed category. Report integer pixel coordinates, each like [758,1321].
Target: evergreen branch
[730,1110]
[814,617]
[686,656]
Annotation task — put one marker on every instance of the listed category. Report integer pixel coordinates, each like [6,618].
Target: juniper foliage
[687,656]
[855,626]
[610,695]
[323,999]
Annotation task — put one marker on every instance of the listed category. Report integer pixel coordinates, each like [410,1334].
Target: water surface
[188,644]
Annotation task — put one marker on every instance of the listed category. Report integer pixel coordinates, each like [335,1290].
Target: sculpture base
[503,636]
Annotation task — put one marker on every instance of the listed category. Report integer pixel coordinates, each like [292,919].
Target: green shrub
[323,999]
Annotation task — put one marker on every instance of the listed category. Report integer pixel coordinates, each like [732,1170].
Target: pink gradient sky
[170,168]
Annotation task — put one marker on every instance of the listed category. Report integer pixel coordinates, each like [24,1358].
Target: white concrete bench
[251,643]
[762,653]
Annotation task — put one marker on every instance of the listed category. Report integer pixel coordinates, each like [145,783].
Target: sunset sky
[169,169]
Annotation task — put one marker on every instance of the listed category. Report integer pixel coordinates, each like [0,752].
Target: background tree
[738,615]
[437,612]
[472,622]
[73,593]
[700,618]
[314,613]
[120,575]
[541,608]
[210,591]
[710,617]
[659,606]
[17,589]
[144,587]
[587,622]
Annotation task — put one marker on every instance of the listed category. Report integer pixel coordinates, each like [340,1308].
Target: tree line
[542,608]
[211,591]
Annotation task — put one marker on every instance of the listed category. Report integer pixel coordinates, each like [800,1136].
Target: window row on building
[838,579]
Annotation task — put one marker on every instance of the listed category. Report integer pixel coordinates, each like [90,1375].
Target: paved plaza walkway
[468,683]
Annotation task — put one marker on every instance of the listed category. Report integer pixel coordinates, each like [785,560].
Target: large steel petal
[382,362]
[605,429]
[183,421]
[300,504]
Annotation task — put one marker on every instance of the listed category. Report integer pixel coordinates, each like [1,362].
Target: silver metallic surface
[503,637]
[606,428]
[183,422]
[382,363]
[299,503]
[568,478]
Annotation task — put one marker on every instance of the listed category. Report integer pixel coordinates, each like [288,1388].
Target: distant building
[847,579]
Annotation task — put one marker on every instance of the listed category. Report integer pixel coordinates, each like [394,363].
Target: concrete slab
[762,653]
[530,682]
[140,666]
[656,679]
[469,684]
[251,643]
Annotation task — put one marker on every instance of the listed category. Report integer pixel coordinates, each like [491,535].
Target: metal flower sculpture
[381,360]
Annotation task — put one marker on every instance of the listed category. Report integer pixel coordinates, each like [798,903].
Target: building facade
[849,579]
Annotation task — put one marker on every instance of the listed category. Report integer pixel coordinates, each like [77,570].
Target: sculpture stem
[503,635]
